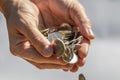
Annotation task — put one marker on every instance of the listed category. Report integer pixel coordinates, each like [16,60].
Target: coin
[70,58]
[66,42]
[54,35]
[59,47]
[81,77]
[74,59]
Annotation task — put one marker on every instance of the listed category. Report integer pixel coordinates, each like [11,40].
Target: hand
[27,42]
[25,39]
[55,12]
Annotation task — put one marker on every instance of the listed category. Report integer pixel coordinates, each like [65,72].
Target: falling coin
[81,77]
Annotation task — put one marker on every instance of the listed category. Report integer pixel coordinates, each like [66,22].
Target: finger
[50,66]
[83,50]
[41,44]
[65,70]
[81,62]
[71,65]
[28,26]
[80,19]
[74,68]
[26,51]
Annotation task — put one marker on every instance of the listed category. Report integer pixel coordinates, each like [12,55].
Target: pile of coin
[66,40]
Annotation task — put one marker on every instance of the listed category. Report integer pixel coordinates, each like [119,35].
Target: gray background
[103,58]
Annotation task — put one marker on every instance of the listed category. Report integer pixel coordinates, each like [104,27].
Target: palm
[54,13]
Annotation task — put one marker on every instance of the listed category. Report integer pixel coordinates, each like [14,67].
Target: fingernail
[48,51]
[91,34]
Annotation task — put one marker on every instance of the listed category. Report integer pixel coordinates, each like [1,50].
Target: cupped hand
[25,39]
[25,17]
[55,12]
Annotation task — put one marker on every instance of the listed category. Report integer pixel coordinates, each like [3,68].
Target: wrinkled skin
[24,17]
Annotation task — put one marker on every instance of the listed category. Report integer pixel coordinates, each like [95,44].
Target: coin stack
[66,40]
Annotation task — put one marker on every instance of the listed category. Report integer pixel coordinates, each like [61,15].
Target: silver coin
[71,58]
[59,47]
[54,35]
[74,59]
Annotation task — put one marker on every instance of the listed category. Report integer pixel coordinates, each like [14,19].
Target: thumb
[27,22]
[81,21]
[37,39]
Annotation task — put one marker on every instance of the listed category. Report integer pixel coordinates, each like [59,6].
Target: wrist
[6,6]
[2,3]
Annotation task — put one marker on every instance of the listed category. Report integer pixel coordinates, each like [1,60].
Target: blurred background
[103,58]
